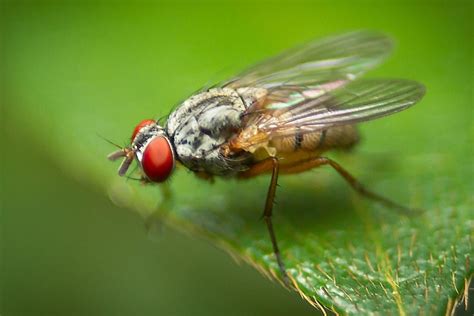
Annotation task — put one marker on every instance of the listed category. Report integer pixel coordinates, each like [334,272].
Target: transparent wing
[311,110]
[338,58]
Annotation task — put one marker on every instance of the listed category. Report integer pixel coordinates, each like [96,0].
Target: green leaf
[73,73]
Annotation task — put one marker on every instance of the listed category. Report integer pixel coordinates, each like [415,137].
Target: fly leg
[354,183]
[267,216]
[270,164]
[154,221]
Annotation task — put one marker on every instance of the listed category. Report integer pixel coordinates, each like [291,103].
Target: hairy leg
[270,164]
[353,182]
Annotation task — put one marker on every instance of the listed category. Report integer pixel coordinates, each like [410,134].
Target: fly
[279,116]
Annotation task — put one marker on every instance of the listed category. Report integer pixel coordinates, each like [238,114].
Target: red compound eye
[140,126]
[158,160]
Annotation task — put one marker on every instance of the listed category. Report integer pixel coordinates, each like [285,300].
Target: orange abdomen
[338,137]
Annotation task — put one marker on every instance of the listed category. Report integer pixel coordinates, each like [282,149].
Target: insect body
[279,116]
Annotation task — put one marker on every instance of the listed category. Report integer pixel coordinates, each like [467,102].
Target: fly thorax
[204,123]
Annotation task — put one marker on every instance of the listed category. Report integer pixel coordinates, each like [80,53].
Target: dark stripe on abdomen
[322,138]
[299,137]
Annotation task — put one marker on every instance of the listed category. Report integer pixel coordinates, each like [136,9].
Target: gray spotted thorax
[203,123]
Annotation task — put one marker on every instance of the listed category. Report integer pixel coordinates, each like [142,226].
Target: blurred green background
[66,249]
